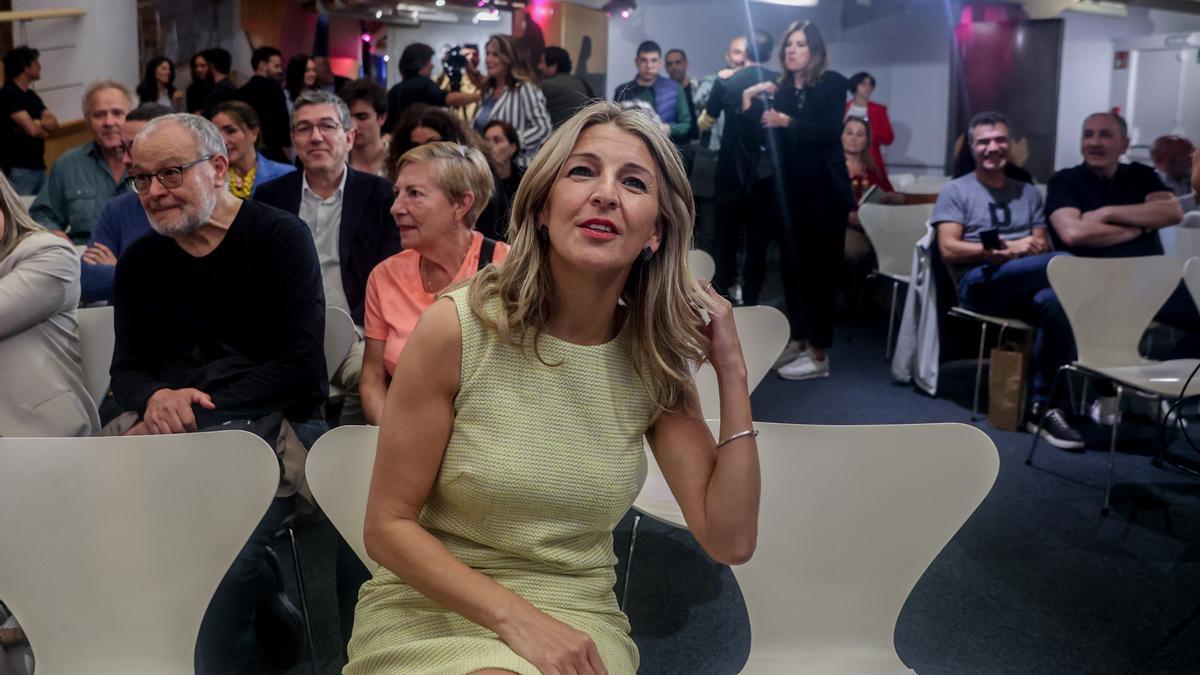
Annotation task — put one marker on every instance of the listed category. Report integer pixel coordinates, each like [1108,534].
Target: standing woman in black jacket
[802,114]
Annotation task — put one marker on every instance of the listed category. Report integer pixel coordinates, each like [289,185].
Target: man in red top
[861,87]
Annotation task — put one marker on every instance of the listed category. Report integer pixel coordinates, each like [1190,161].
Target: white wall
[441,36]
[103,43]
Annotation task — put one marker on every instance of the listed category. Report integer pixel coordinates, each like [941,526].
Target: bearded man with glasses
[220,320]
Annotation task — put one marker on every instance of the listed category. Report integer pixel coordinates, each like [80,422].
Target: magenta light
[624,14]
[366,37]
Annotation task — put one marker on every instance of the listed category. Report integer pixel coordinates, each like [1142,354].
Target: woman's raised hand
[725,352]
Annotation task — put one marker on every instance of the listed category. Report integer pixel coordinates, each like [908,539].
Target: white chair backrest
[702,264]
[894,231]
[850,518]
[1188,202]
[27,201]
[1191,278]
[113,547]
[1110,302]
[96,341]
[338,470]
[763,331]
[339,338]
[1042,189]
[902,180]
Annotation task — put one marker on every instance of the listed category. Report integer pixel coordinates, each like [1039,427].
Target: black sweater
[268,100]
[245,323]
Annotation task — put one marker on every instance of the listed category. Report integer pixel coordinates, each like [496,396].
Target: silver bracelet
[740,434]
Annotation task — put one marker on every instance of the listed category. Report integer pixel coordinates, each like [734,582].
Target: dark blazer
[368,233]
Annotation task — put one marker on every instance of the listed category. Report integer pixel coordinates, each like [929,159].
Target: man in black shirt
[743,188]
[416,63]
[265,94]
[220,319]
[1105,209]
[25,122]
[223,89]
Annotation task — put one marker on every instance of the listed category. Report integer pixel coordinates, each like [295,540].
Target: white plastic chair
[893,232]
[850,518]
[901,180]
[27,201]
[1109,302]
[114,546]
[702,264]
[338,470]
[96,342]
[340,335]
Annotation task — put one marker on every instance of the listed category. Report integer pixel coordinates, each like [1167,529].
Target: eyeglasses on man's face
[170,177]
[325,127]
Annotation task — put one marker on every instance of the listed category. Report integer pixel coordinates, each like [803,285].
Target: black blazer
[368,233]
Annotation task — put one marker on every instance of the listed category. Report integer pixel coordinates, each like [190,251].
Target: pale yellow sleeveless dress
[542,463]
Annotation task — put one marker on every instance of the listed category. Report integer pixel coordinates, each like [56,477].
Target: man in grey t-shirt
[992,235]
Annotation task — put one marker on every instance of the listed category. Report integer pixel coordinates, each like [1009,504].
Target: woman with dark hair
[503,145]
[301,74]
[422,124]
[202,84]
[861,86]
[511,93]
[804,129]
[248,168]
[158,84]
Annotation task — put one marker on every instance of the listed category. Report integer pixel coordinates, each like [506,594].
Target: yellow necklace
[241,187]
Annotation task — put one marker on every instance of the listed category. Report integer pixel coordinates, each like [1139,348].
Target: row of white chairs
[114,568]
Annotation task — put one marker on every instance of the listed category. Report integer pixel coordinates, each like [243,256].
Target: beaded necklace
[241,187]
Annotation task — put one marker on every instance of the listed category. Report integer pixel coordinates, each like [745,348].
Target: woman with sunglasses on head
[802,114]
[512,441]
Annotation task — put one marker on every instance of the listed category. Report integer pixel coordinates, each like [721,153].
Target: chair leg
[312,645]
[862,291]
[1037,434]
[637,519]
[978,371]
[1112,453]
[887,350]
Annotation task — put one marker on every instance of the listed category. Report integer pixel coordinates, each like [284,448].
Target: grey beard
[192,224]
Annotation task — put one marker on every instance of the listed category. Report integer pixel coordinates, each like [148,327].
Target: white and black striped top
[524,107]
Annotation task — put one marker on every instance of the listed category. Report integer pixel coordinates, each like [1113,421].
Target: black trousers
[812,240]
[743,215]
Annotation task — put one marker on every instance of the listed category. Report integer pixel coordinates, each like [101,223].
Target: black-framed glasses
[324,127]
[170,177]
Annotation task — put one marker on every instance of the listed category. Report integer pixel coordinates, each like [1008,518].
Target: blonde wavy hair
[18,224]
[662,299]
[461,169]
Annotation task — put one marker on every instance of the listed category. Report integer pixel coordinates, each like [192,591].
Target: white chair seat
[1164,378]
[338,470]
[1004,321]
[96,341]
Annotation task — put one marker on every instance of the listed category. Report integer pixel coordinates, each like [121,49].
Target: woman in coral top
[862,85]
[441,188]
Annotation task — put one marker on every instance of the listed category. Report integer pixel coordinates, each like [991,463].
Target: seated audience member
[416,64]
[299,76]
[661,94]
[862,85]
[122,221]
[1172,157]
[25,122]
[503,146]
[347,212]
[158,84]
[86,177]
[44,393]
[223,89]
[1008,280]
[248,167]
[565,93]
[964,163]
[1104,208]
[441,189]
[368,108]
[864,174]
[201,85]
[264,93]
[220,319]
[496,552]
[422,124]
[511,93]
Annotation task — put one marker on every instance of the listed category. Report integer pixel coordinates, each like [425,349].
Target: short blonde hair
[461,170]
[100,85]
[661,295]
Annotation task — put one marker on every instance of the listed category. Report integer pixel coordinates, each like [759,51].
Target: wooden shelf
[35,14]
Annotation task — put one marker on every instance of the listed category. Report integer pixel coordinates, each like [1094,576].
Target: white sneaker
[805,367]
[790,352]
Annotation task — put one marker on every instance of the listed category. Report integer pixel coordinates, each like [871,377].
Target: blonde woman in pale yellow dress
[511,439]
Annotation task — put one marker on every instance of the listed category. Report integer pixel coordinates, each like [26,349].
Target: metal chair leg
[887,350]
[978,371]
[858,308]
[1037,434]
[312,645]
[637,519]
[1112,453]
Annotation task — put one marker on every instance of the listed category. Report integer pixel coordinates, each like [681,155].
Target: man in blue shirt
[122,221]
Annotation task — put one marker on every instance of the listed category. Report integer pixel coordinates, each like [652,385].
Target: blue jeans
[1020,289]
[227,642]
[26,181]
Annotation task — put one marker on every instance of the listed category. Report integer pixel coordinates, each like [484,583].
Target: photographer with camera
[460,72]
[416,64]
